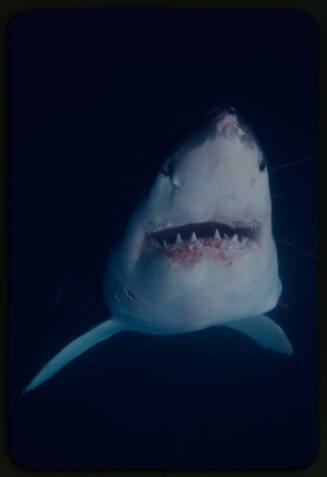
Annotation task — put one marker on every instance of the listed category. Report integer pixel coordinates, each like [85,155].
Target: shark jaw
[190,243]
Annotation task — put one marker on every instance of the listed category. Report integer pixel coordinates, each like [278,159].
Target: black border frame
[8,9]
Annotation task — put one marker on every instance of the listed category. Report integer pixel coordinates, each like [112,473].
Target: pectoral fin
[265,332]
[76,347]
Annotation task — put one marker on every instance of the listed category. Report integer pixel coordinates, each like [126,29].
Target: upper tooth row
[179,239]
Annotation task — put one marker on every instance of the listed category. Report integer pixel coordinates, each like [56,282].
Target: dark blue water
[94,98]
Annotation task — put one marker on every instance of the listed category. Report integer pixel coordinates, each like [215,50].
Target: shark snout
[228,126]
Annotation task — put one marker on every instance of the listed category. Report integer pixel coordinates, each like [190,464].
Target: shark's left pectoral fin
[265,332]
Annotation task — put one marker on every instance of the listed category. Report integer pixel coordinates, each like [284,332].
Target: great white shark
[199,250]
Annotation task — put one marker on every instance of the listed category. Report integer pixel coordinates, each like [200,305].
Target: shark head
[199,250]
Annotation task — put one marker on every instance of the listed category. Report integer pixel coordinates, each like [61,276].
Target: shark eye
[164,171]
[262,165]
[167,169]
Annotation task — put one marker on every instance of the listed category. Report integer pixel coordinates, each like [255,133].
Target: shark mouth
[191,242]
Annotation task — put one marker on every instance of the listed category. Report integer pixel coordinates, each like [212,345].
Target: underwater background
[95,96]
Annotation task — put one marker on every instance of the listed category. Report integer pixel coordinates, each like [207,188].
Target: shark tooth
[179,238]
[164,243]
[235,238]
[193,237]
[217,234]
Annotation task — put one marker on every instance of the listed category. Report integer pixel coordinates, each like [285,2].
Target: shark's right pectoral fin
[76,347]
[265,332]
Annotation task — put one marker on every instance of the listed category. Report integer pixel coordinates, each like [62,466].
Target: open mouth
[193,240]
[203,231]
